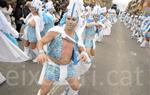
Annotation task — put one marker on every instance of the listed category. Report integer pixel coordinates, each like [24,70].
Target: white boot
[26,50]
[133,34]
[143,44]
[69,91]
[140,39]
[2,78]
[72,92]
[92,58]
[65,91]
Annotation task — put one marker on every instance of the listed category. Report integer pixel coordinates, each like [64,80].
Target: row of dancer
[139,26]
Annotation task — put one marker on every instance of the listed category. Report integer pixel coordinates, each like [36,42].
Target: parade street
[121,67]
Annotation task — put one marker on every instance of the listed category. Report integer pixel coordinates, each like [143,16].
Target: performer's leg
[74,86]
[34,49]
[100,37]
[45,87]
[26,46]
[92,52]
[144,43]
[26,43]
[148,39]
[88,50]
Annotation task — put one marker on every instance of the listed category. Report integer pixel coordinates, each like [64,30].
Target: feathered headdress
[75,8]
[96,9]
[103,10]
[37,4]
[49,5]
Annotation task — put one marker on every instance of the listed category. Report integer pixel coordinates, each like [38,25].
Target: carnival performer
[48,17]
[62,54]
[108,25]
[99,33]
[34,25]
[146,31]
[92,25]
[135,25]
[6,9]
[112,16]
[9,51]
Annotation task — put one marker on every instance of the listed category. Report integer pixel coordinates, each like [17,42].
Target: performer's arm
[46,39]
[83,54]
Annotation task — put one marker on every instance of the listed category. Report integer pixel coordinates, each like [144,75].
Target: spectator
[6,9]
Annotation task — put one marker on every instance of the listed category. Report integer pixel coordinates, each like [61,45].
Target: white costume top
[9,52]
[7,13]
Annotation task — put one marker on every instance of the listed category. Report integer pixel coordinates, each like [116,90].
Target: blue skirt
[52,71]
[88,43]
[31,34]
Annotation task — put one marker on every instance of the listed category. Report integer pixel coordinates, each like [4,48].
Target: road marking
[133,53]
[101,83]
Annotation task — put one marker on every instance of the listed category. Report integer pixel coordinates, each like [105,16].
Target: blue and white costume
[53,71]
[48,22]
[48,18]
[32,32]
[145,28]
[99,32]
[58,73]
[9,51]
[89,34]
[112,16]
[54,51]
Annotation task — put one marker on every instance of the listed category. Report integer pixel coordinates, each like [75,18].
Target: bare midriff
[66,53]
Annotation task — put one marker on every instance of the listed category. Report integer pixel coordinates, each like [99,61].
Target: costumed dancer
[62,54]
[99,32]
[112,16]
[107,23]
[48,17]
[34,26]
[138,34]
[141,25]
[130,22]
[135,24]
[146,31]
[92,25]
[6,9]
[9,51]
